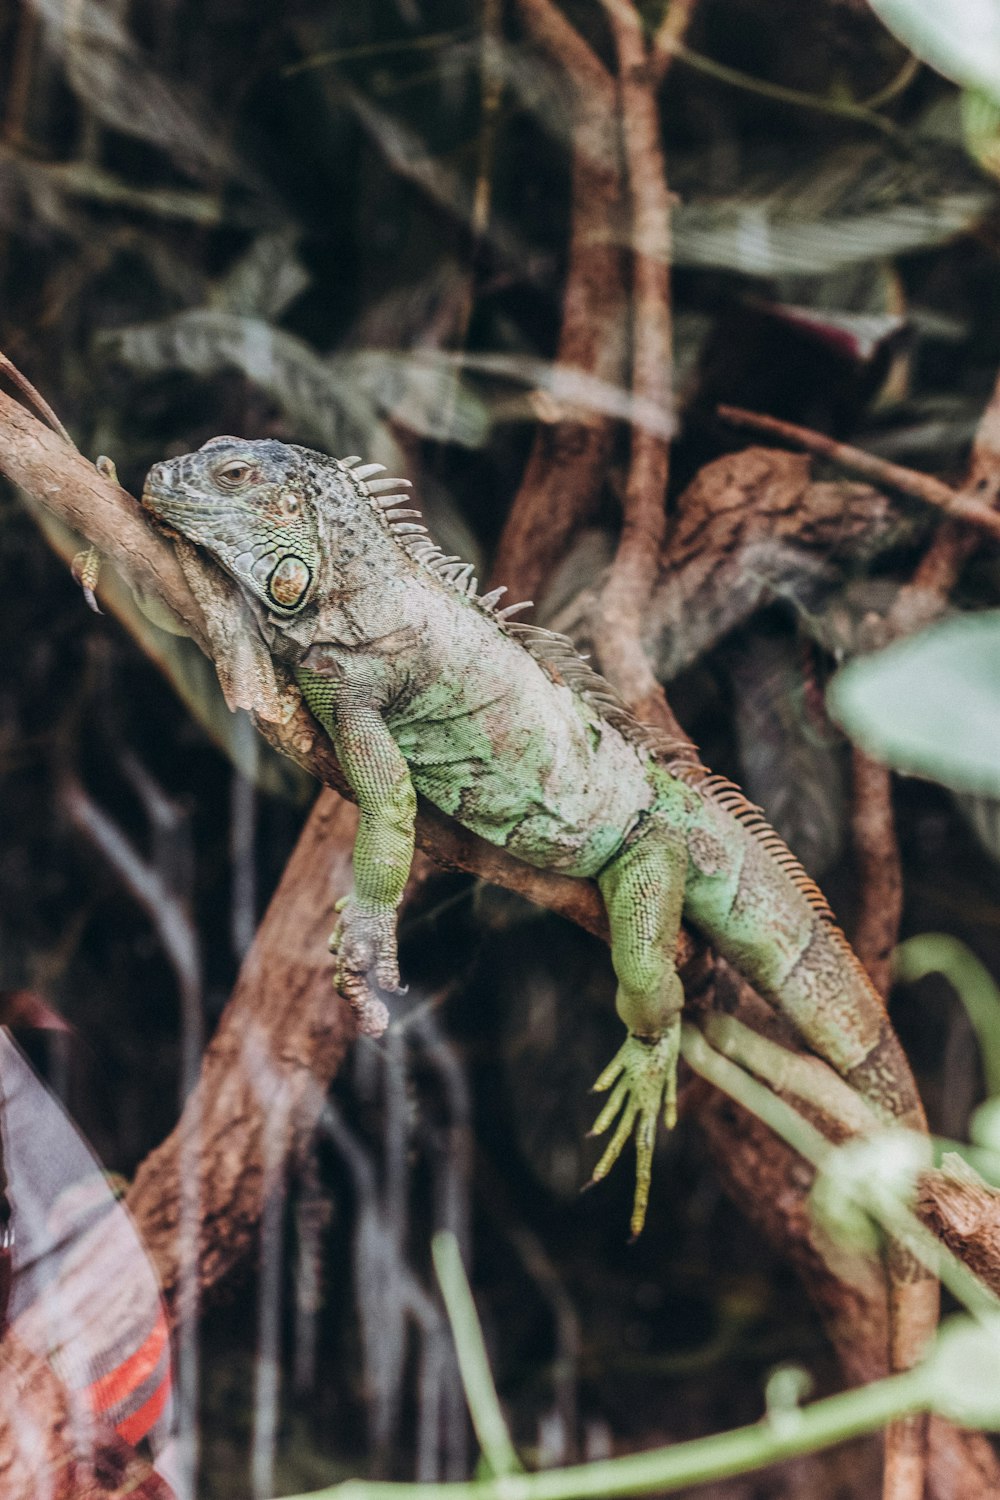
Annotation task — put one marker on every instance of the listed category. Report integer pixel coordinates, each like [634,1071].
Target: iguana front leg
[643,890]
[86,565]
[364,939]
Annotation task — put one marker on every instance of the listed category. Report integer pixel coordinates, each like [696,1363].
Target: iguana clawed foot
[364,947]
[86,569]
[643,1079]
[86,565]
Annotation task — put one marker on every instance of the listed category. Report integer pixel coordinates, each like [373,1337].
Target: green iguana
[423,684]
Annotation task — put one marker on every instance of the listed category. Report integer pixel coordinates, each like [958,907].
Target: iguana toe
[370,1012]
[364,947]
[86,569]
[643,1080]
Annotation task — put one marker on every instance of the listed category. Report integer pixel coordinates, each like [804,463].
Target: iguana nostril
[158,478]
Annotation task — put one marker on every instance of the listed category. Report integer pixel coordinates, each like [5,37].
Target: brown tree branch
[923,487]
[278,1045]
[880,876]
[749,526]
[569,456]
[633,572]
[566,50]
[925,597]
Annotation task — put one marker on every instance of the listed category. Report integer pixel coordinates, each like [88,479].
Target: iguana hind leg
[643,890]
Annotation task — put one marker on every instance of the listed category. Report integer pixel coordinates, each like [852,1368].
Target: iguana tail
[764,914]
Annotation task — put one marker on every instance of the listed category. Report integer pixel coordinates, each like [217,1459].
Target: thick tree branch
[891,476]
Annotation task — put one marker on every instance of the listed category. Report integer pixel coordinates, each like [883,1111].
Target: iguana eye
[289,581]
[234,473]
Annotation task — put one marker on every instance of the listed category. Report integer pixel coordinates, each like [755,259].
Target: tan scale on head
[251,504]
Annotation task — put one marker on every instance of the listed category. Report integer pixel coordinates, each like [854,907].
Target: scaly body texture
[423,685]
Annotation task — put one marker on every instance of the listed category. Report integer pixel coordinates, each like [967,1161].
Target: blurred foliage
[931,704]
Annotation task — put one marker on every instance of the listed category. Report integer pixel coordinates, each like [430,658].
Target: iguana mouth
[170,506]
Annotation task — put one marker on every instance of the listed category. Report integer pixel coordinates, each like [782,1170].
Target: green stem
[473,1364]
[780,1116]
[788,1072]
[896,1220]
[842,108]
[833,1420]
[378,49]
[937,953]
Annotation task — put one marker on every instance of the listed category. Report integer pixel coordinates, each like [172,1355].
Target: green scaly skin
[423,687]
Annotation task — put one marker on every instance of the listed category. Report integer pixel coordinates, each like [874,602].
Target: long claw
[645,1139]
[85,569]
[617,1141]
[613,1070]
[611,1108]
[669,1102]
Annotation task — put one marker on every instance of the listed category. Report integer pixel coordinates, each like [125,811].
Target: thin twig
[844,109]
[431,42]
[880,876]
[898,83]
[856,460]
[668,39]
[37,400]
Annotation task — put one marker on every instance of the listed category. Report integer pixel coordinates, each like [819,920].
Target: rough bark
[880,876]
[748,526]
[625,595]
[955,503]
[280,1041]
[569,457]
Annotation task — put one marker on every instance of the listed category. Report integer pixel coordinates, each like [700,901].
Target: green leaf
[930,705]
[962,1373]
[960,38]
[981,128]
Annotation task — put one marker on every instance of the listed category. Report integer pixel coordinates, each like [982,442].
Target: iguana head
[253,506]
